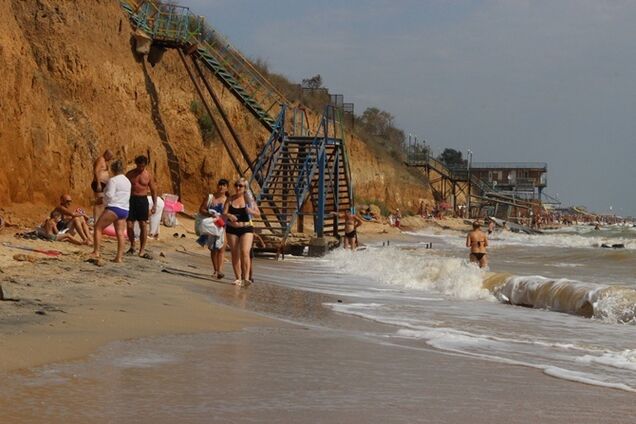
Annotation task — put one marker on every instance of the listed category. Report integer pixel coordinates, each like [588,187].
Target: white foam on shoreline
[462,343]
[552,239]
[452,277]
[622,360]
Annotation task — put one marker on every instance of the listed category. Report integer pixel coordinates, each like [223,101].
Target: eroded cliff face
[70,87]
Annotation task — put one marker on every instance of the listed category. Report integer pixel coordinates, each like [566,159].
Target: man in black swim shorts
[141,181]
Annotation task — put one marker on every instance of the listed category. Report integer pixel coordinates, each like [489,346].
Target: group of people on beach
[125,199]
[120,200]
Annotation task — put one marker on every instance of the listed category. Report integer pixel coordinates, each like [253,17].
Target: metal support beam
[229,125]
[320,217]
[209,110]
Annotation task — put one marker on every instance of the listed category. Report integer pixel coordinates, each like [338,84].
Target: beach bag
[169,218]
[211,226]
[198,218]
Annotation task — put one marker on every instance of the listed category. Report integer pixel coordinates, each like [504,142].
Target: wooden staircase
[301,176]
[296,174]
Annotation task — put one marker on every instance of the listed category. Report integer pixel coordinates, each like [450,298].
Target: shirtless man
[73,220]
[352,222]
[477,241]
[142,181]
[100,178]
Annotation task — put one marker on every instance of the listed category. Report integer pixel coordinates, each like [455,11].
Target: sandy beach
[252,348]
[60,308]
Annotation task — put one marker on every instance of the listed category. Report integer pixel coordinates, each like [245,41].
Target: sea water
[557,302]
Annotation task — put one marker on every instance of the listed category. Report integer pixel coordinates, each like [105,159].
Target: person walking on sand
[117,200]
[352,223]
[240,231]
[141,181]
[477,241]
[73,221]
[212,207]
[100,178]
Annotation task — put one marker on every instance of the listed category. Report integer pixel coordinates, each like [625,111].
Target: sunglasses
[239,185]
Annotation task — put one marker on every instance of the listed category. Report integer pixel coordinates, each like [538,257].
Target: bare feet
[145,255]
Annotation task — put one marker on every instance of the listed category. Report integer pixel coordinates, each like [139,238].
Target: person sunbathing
[369,216]
[48,230]
[73,220]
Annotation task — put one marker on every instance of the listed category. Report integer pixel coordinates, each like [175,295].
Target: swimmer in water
[491,226]
[477,241]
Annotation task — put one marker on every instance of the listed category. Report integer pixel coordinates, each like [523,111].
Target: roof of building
[510,165]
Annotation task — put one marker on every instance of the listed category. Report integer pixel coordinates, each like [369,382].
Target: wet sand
[265,354]
[63,308]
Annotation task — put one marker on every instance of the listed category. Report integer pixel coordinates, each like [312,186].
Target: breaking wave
[613,304]
[456,278]
[452,277]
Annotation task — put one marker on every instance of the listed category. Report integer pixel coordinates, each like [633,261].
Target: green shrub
[206,125]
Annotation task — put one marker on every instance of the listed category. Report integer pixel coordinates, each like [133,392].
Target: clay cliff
[70,87]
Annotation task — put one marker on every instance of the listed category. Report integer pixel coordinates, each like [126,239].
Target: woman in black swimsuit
[240,231]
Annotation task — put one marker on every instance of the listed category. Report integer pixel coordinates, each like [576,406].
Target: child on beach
[48,230]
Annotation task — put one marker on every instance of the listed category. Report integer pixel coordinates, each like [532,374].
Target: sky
[512,80]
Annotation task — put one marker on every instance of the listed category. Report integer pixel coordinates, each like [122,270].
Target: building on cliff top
[524,180]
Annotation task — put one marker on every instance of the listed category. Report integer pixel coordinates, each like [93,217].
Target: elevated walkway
[449,184]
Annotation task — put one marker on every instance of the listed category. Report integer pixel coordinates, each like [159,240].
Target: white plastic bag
[169,218]
[208,226]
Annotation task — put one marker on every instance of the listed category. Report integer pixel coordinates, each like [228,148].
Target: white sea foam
[146,360]
[508,238]
[451,277]
[468,344]
[567,265]
[622,360]
[584,378]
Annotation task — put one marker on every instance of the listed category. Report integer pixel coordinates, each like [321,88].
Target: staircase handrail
[244,61]
[267,151]
[253,85]
[149,16]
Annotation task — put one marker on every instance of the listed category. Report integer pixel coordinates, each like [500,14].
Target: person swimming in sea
[477,241]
